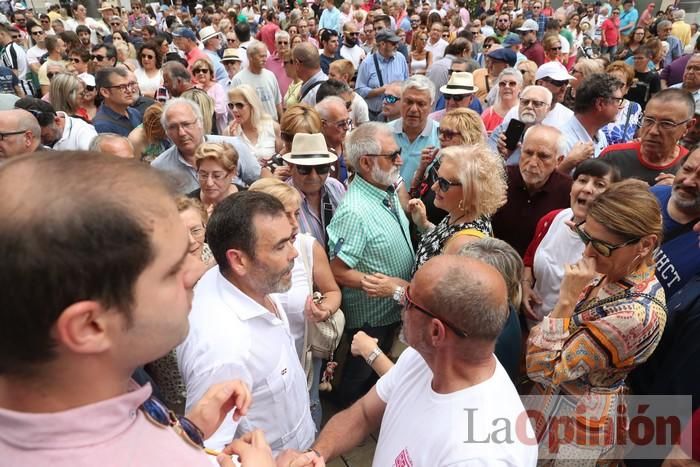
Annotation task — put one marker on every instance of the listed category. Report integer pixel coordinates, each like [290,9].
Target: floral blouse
[626,124]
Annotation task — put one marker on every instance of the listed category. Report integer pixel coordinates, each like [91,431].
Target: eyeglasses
[663,124]
[604,248]
[555,82]
[283,43]
[130,86]
[159,414]
[173,127]
[408,303]
[389,99]
[320,169]
[448,134]
[617,100]
[197,71]
[216,176]
[236,105]
[510,84]
[148,56]
[455,97]
[197,231]
[75,60]
[555,48]
[533,102]
[115,24]
[11,133]
[14,38]
[87,89]
[37,33]
[99,58]
[341,124]
[393,156]
[444,184]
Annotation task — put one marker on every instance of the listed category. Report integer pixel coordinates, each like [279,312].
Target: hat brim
[231,59]
[456,90]
[526,30]
[310,159]
[210,36]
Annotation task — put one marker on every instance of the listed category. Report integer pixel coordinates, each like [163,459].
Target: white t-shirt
[34,54]
[437,49]
[148,85]
[77,134]
[423,428]
[265,85]
[359,112]
[355,54]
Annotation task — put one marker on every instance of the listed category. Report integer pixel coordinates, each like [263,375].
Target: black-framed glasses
[148,56]
[409,303]
[444,184]
[389,99]
[604,248]
[156,412]
[37,33]
[11,133]
[307,169]
[617,100]
[130,86]
[534,103]
[235,105]
[393,156]
[663,124]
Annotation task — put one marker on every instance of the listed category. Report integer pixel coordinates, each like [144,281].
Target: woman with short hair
[629,114]
[203,74]
[217,165]
[507,88]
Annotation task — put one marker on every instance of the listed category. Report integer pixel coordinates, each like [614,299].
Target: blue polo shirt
[410,151]
[108,121]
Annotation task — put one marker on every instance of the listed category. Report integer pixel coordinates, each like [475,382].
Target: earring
[460,206]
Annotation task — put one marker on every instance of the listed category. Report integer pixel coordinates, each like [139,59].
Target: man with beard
[370,248]
[238,330]
[656,156]
[351,50]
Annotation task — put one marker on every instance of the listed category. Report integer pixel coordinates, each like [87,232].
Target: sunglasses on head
[603,248]
[389,99]
[320,169]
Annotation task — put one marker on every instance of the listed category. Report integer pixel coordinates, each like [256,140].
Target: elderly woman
[255,128]
[311,271]
[583,68]
[216,165]
[203,73]
[470,187]
[556,244]
[527,68]
[608,319]
[148,73]
[629,114]
[458,127]
[508,86]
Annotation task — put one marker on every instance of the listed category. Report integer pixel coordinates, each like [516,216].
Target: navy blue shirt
[8,80]
[108,121]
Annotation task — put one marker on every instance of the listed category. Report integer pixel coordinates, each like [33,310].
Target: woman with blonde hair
[552,48]
[203,73]
[421,59]
[256,128]
[470,187]
[206,104]
[217,165]
[65,92]
[507,88]
[527,68]
[608,320]
[582,69]
[293,93]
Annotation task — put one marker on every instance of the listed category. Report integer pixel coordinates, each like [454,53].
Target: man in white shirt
[238,328]
[263,81]
[39,48]
[351,50]
[59,131]
[440,403]
[436,45]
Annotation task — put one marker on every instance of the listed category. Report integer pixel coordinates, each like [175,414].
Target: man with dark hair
[68,348]
[242,30]
[598,99]
[439,72]
[104,56]
[239,329]
[329,45]
[117,89]
[262,80]
[83,33]
[38,50]
[59,130]
[307,62]
[267,33]
[15,58]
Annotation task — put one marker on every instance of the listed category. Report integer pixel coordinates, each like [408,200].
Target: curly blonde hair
[223,153]
[482,175]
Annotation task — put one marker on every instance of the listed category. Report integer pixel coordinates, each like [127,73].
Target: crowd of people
[220,218]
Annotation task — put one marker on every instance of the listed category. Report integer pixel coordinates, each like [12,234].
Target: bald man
[116,145]
[20,133]
[448,383]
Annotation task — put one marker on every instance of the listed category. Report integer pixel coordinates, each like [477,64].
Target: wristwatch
[373,356]
[399,293]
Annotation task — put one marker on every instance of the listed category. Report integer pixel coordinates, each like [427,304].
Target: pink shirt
[109,433]
[276,66]
[195,54]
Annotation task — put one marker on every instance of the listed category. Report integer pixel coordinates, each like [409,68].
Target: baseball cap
[185,32]
[553,70]
[511,39]
[529,25]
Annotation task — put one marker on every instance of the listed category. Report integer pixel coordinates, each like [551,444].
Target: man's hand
[219,400]
[252,451]
[502,149]
[579,153]
[294,458]
[363,344]
[530,299]
[664,179]
[379,285]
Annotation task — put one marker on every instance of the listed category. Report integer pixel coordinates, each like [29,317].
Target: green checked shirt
[369,233]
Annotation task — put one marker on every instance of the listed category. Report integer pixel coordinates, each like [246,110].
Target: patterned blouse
[435,240]
[626,124]
[589,355]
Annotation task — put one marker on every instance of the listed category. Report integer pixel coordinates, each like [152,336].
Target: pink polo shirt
[109,433]
[276,65]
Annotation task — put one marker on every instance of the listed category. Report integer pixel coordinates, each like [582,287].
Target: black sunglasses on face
[444,185]
[603,248]
[456,97]
[319,169]
[393,156]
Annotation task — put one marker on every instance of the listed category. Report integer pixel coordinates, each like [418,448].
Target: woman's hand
[416,208]
[530,300]
[362,344]
[427,156]
[576,277]
[314,312]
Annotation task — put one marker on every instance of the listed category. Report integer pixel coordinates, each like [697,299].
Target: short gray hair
[325,107]
[511,72]
[364,140]
[256,47]
[560,138]
[181,101]
[281,35]
[96,143]
[678,14]
[535,87]
[420,83]
[663,24]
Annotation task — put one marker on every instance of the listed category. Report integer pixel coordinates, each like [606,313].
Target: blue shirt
[393,69]
[574,132]
[627,18]
[410,151]
[330,19]
[108,121]
[220,73]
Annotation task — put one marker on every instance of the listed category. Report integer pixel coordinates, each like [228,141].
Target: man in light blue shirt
[628,18]
[392,67]
[414,131]
[330,18]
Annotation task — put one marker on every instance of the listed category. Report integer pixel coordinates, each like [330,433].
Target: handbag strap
[379,71]
[308,268]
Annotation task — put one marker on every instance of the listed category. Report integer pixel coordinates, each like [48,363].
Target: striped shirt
[393,69]
[369,233]
[309,221]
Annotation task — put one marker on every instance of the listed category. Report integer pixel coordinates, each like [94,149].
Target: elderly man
[335,123]
[656,156]
[59,131]
[69,352]
[211,39]
[458,93]
[263,81]
[691,77]
[115,114]
[378,70]
[232,63]
[598,99]
[320,194]
[534,105]
[391,103]
[535,187]
[307,61]
[20,134]
[239,330]
[675,50]
[186,40]
[414,131]
[453,312]
[275,61]
[182,121]
[370,247]
[115,145]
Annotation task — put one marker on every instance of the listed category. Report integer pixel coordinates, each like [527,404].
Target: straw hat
[231,55]
[461,82]
[309,150]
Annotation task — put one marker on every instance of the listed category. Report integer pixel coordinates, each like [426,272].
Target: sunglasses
[307,169]
[150,57]
[444,185]
[99,58]
[555,82]
[282,43]
[393,156]
[555,48]
[604,248]
[157,413]
[455,97]
[89,88]
[236,105]
[200,70]
[389,99]
[37,33]
[409,303]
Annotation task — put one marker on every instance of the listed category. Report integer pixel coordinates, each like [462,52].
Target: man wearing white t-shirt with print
[447,394]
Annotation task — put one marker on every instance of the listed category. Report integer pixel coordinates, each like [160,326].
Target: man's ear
[238,261]
[560,159]
[83,327]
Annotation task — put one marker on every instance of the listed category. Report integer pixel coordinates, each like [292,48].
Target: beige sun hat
[461,82]
[309,150]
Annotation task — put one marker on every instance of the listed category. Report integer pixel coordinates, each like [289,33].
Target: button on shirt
[109,433]
[369,233]
[574,132]
[233,337]
[108,121]
[185,175]
[393,69]
[312,223]
[410,150]
[77,134]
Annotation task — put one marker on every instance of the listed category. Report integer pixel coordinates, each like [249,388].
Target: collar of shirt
[370,190]
[397,127]
[245,307]
[383,59]
[75,428]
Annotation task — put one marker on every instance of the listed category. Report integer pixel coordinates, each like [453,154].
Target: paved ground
[361,456]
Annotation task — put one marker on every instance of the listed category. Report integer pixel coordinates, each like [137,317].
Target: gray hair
[535,87]
[181,101]
[420,83]
[663,24]
[256,47]
[364,140]
[97,141]
[511,72]
[327,105]
[281,35]
[504,258]
[560,138]
[678,14]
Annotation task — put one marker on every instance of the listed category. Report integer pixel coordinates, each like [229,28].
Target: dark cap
[387,35]
[504,55]
[185,32]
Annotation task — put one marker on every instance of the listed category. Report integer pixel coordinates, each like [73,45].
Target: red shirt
[610,30]
[267,35]
[535,53]
[195,54]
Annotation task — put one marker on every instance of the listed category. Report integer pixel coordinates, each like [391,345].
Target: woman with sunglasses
[256,128]
[203,74]
[293,93]
[88,98]
[148,73]
[508,86]
[527,68]
[608,319]
[629,115]
[421,59]
[65,93]
[216,165]
[470,187]
[583,68]
[552,48]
